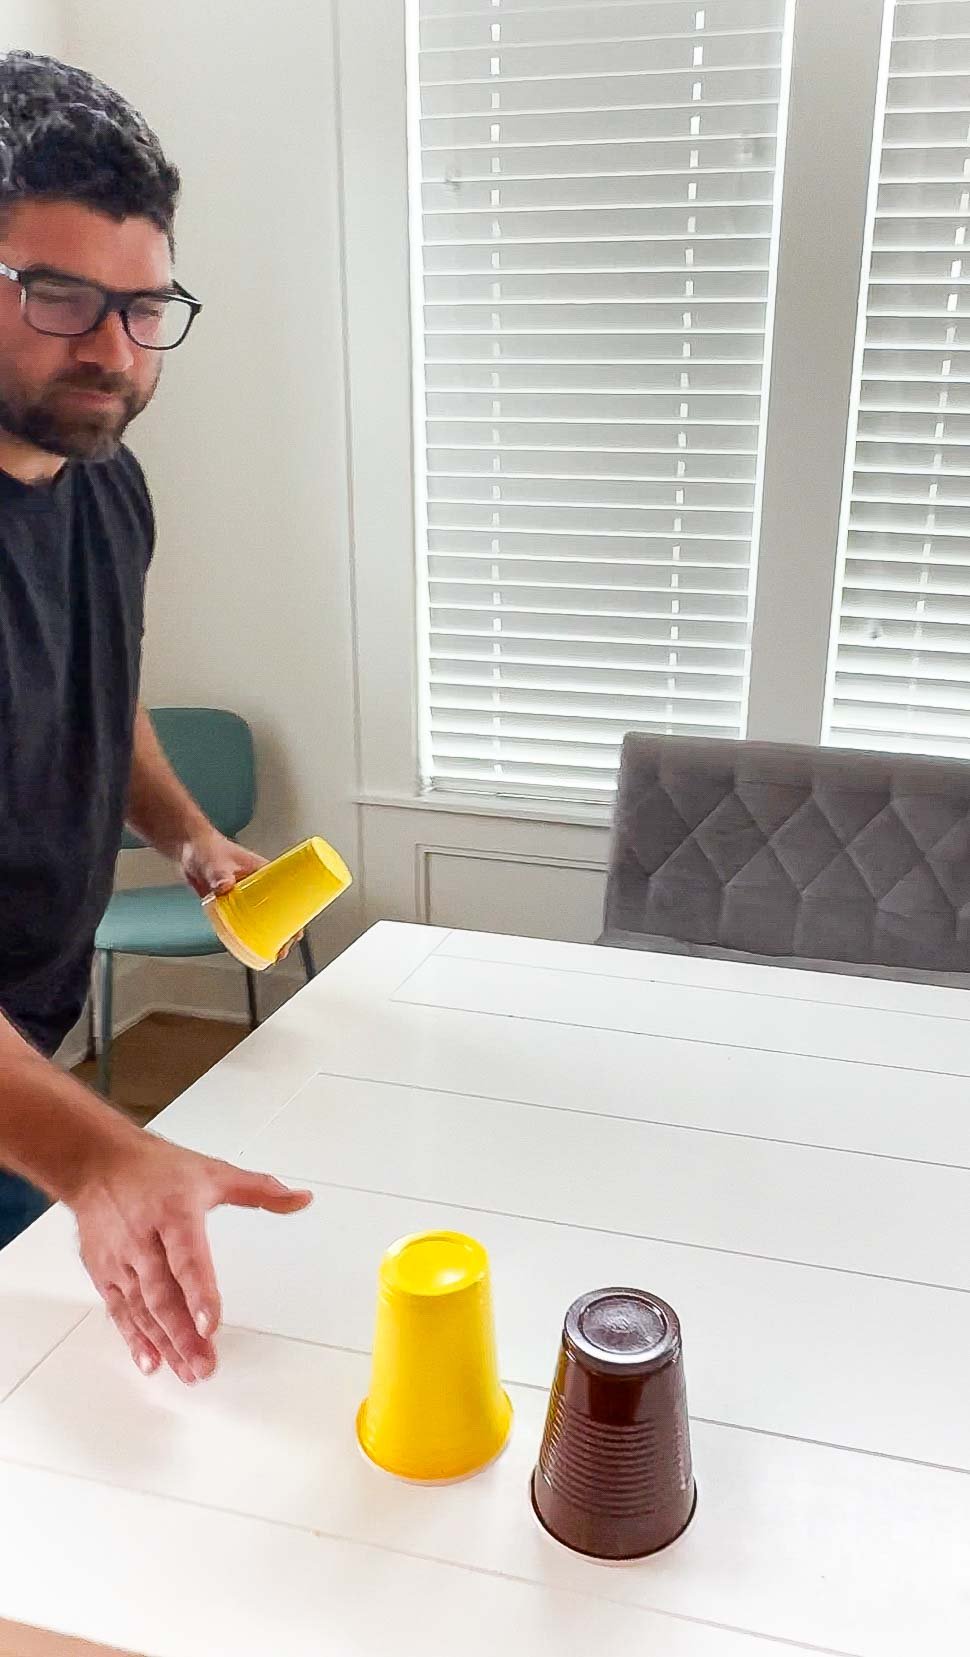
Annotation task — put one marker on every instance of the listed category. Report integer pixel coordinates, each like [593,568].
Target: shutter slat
[627,90]
[454,194]
[642,156]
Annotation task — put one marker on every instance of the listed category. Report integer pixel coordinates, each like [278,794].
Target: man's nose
[109,346]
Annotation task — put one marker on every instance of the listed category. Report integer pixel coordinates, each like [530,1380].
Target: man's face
[74,397]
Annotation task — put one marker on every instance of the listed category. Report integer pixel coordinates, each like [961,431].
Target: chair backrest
[211,752]
[794,855]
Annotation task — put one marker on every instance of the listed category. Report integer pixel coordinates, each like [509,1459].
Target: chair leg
[91,1050]
[105,979]
[306,955]
[251,998]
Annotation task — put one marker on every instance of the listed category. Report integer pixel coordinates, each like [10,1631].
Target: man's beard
[50,422]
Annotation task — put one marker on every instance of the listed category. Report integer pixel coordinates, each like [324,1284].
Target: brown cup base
[606,1558]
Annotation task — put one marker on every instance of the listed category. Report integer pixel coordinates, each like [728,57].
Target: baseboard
[206,1014]
[213,987]
[129,1002]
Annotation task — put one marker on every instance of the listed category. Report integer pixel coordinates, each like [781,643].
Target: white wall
[245,446]
[35,25]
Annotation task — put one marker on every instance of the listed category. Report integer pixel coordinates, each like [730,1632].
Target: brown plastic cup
[614,1479]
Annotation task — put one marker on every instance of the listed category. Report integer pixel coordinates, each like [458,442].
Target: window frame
[825,181]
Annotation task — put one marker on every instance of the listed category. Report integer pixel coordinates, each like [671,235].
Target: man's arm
[53,1131]
[140,1205]
[164,813]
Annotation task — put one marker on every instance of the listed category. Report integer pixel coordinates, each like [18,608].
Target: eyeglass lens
[68,308]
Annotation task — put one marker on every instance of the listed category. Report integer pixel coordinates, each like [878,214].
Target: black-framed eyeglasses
[68,307]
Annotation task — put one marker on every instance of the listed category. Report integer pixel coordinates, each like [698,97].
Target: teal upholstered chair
[211,751]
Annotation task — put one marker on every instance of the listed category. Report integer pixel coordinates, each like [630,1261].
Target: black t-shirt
[73,559]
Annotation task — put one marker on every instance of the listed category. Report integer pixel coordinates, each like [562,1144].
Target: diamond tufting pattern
[803,856]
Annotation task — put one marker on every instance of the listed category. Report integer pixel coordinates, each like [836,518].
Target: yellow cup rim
[229,937]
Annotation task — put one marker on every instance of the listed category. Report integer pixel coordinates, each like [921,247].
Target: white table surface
[784,1156]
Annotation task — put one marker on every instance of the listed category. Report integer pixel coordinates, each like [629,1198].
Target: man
[88,305]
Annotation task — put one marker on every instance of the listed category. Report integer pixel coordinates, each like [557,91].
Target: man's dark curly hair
[67,136]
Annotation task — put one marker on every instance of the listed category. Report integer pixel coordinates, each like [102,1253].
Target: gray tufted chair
[800,857]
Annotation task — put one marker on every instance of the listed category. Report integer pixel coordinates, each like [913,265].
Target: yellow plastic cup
[436,1410]
[263,912]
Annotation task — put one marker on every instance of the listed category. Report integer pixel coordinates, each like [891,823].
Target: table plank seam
[828,1444]
[684,1041]
[39,1362]
[641,1121]
[640,1236]
[242,1147]
[719,989]
[511,1380]
[427,1558]
[391,994]
[543,1389]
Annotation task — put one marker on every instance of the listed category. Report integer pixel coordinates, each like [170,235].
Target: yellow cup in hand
[436,1410]
[262,913]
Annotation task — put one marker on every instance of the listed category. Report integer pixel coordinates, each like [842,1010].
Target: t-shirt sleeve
[140,500]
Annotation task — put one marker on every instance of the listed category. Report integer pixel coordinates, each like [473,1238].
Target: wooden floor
[158,1058]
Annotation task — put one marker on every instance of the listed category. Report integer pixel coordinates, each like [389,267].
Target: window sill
[469,805]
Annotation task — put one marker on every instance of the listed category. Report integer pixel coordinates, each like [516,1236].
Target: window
[900,671]
[594,234]
[684,426]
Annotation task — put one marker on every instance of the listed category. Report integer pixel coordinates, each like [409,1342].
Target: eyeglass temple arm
[183,293]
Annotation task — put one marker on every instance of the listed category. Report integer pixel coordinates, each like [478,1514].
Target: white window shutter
[595,212]
[900,670]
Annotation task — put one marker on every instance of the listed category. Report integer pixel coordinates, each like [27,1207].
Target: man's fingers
[284,952]
[154,1333]
[166,1303]
[143,1351]
[187,1248]
[261,1191]
[217,881]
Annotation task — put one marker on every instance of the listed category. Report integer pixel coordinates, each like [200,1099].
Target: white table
[782,1155]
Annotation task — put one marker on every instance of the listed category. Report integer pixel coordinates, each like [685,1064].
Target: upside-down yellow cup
[436,1409]
[262,913]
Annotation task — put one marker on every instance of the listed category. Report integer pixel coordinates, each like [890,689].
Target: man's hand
[140,1204]
[141,1228]
[211,863]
